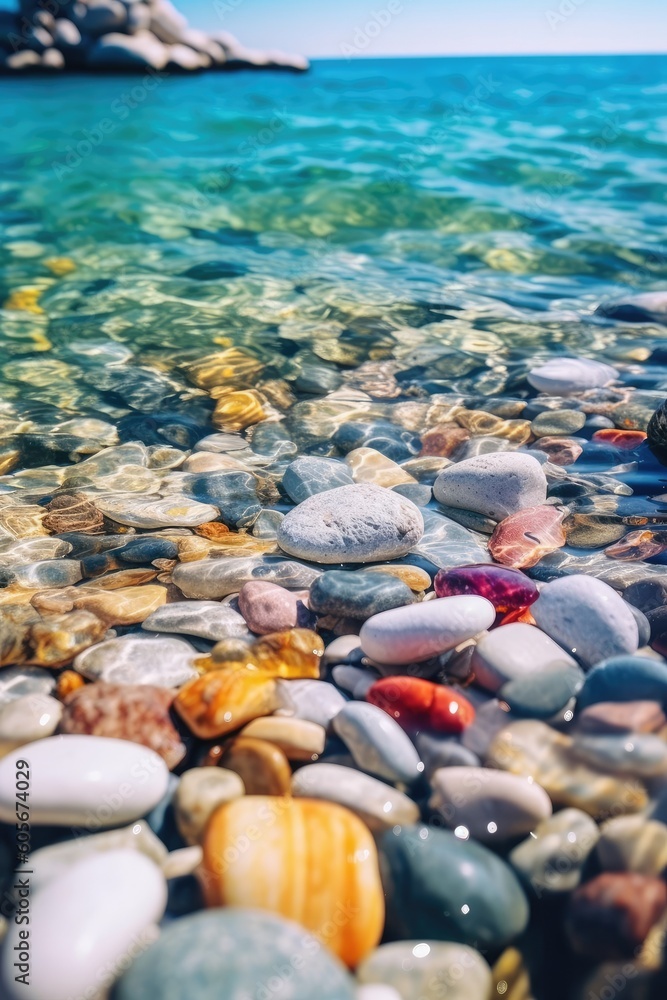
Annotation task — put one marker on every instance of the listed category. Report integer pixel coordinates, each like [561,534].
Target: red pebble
[419,704]
[628,440]
[508,589]
[523,538]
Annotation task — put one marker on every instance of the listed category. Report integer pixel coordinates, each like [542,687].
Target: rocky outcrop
[122,36]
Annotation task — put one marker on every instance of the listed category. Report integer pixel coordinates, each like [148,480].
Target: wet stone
[447,544]
[72,512]
[137,713]
[418,704]
[379,805]
[19,682]
[392,441]
[266,607]
[557,422]
[223,700]
[312,700]
[495,485]
[357,595]
[506,588]
[633,844]
[610,916]
[370,466]
[206,619]
[562,376]
[26,719]
[56,640]
[444,441]
[200,792]
[377,743]
[523,539]
[212,579]
[234,494]
[132,659]
[171,511]
[552,858]
[298,739]
[621,717]
[308,475]
[422,970]
[543,695]
[262,766]
[515,652]
[43,575]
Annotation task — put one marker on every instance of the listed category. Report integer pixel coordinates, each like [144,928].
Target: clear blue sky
[437,27]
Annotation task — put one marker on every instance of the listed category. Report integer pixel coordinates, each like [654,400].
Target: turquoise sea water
[494,201]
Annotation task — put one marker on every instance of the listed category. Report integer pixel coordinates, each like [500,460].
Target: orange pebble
[68,681]
[617,438]
[310,861]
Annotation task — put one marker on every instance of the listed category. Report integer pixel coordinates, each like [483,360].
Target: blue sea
[495,200]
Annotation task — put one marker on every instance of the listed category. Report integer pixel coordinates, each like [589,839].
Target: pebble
[43,575]
[523,539]
[507,589]
[266,607]
[563,376]
[87,781]
[223,700]
[633,844]
[647,307]
[378,804]
[227,952]
[126,606]
[311,700]
[443,751]
[418,704]
[553,857]
[206,619]
[543,695]
[586,617]
[377,743]
[447,544]
[621,717]
[26,719]
[642,755]
[81,937]
[487,804]
[309,475]
[17,682]
[495,485]
[356,680]
[357,595]
[418,580]
[352,524]
[319,846]
[420,631]
[262,766]
[609,917]
[213,579]
[298,739]
[172,511]
[370,466]
[535,750]
[625,679]
[556,422]
[233,494]
[444,888]
[292,654]
[514,652]
[139,713]
[137,660]
[200,792]
[428,970]
[343,649]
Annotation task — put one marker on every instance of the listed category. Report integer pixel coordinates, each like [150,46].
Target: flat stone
[561,451]
[516,651]
[200,792]
[18,682]
[43,575]
[487,804]
[232,493]
[418,580]
[228,951]
[67,920]
[562,376]
[391,440]
[495,485]
[213,579]
[72,512]
[534,750]
[137,660]
[223,700]
[26,719]
[418,704]
[312,700]
[609,917]
[370,466]
[262,766]
[139,713]
[55,640]
[377,743]
[507,589]
[443,888]
[266,607]
[298,739]
[360,523]
[444,440]
[318,845]
[552,858]
[357,595]
[633,844]
[378,804]
[625,679]
[647,307]
[542,695]
[523,539]
[640,755]
[172,511]
[621,717]
[309,475]
[443,751]
[556,422]
[206,619]
[428,970]
[125,606]
[587,618]
[420,631]
[75,780]
[296,653]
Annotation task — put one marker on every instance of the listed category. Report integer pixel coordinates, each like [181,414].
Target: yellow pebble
[60,265]
[25,300]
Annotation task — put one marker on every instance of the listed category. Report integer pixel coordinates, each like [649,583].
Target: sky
[358,28]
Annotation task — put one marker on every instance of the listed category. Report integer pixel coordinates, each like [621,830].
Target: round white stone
[419,631]
[86,781]
[352,524]
[138,660]
[206,619]
[309,699]
[377,743]
[587,618]
[488,804]
[85,924]
[495,485]
[169,512]
[561,376]
[24,720]
[379,805]
[513,652]
[426,970]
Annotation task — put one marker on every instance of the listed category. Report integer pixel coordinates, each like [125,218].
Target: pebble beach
[333,625]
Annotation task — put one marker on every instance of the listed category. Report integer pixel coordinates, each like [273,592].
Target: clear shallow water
[493,201]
